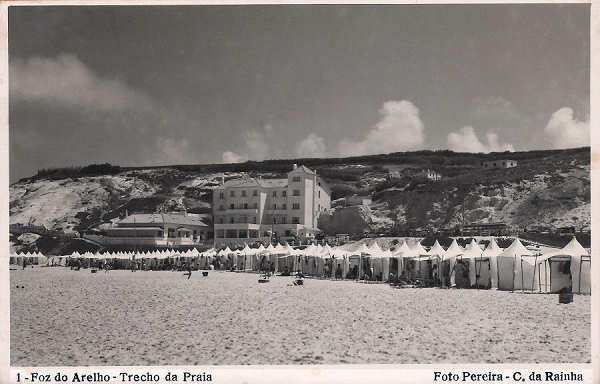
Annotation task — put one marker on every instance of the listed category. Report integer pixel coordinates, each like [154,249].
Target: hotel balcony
[238,210]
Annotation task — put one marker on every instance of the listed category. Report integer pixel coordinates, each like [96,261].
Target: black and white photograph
[303,184]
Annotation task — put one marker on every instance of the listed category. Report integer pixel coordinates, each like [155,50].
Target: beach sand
[65,317]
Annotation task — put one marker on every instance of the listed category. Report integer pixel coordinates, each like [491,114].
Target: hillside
[548,189]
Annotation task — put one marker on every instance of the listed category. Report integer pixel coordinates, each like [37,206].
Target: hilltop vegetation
[549,189]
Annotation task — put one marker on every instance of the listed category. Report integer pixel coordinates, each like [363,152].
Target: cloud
[257,145]
[312,146]
[466,140]
[232,157]
[399,129]
[66,81]
[172,151]
[565,131]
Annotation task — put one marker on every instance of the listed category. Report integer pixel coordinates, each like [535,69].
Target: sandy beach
[64,317]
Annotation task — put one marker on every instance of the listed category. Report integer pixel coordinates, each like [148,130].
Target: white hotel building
[246,210]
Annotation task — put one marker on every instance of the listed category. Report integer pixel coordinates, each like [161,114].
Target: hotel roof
[163,218]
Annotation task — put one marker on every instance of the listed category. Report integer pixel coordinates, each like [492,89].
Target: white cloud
[65,80]
[232,157]
[173,151]
[399,129]
[257,146]
[567,132]
[466,140]
[312,146]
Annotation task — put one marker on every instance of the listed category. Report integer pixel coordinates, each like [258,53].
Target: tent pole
[359,266]
[579,276]
[546,274]
[497,274]
[522,277]
[534,269]
[550,263]
[513,273]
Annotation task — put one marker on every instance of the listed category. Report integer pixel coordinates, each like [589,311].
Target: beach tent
[340,265]
[492,251]
[566,269]
[396,258]
[417,263]
[379,261]
[515,268]
[474,267]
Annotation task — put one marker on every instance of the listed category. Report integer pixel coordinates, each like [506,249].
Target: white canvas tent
[515,268]
[566,269]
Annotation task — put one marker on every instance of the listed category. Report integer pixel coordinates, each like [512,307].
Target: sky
[161,85]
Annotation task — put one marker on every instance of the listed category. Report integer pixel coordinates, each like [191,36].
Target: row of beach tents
[513,268]
[29,258]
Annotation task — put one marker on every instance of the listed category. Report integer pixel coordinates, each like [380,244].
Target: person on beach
[24,263]
[189,270]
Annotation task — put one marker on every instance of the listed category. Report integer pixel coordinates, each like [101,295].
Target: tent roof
[362,248]
[417,250]
[574,248]
[437,249]
[404,248]
[516,248]
[492,248]
[454,249]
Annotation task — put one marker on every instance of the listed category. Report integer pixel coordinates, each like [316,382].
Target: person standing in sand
[189,270]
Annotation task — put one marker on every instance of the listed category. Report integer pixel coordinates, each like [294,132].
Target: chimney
[222,178]
[294,166]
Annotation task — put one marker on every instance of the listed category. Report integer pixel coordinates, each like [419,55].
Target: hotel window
[220,233]
[245,205]
[274,193]
[319,194]
[231,206]
[296,179]
[244,219]
[296,192]
[159,234]
[274,220]
[232,193]
[221,195]
[284,206]
[254,220]
[255,193]
[295,220]
[244,193]
[171,232]
[284,220]
[274,206]
[231,220]
[296,206]
[255,205]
